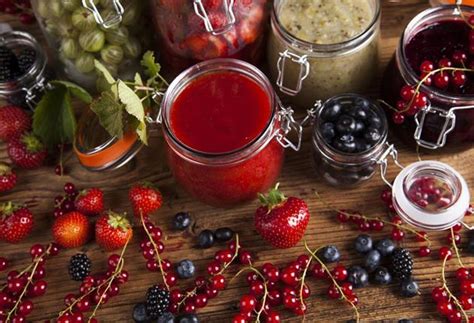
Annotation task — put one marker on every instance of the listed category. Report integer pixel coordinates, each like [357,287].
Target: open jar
[27,66]
[439,36]
[349,137]
[318,49]
[191,31]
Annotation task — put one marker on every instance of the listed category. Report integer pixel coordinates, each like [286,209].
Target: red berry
[421,100]
[463,274]
[223,256]
[364,226]
[145,199]
[14,121]
[70,189]
[26,18]
[353,299]
[467,287]
[459,57]
[455,317]
[445,62]
[339,273]
[213,267]
[465,301]
[211,292]
[248,303]
[426,66]
[273,274]
[275,297]
[239,318]
[8,177]
[189,307]
[441,80]
[303,260]
[386,196]
[318,271]
[333,292]
[245,257]
[39,288]
[305,292]
[257,288]
[428,80]
[439,294]
[59,170]
[84,304]
[347,288]
[459,78]
[457,227]
[171,279]
[445,307]
[91,202]
[398,118]
[424,251]
[342,217]
[421,236]
[407,92]
[218,282]
[397,234]
[200,300]
[273,317]
[3,263]
[289,276]
[290,301]
[25,308]
[300,309]
[445,252]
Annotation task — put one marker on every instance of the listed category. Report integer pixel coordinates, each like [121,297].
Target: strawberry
[71,230]
[112,231]
[281,221]
[16,222]
[27,151]
[13,122]
[90,201]
[7,177]
[145,199]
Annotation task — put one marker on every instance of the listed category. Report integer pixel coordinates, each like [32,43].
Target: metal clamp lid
[35,92]
[229,12]
[110,21]
[303,73]
[288,125]
[383,161]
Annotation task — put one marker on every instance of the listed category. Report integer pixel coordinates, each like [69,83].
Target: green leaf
[75,90]
[104,72]
[134,107]
[109,112]
[142,133]
[53,120]
[138,79]
[152,68]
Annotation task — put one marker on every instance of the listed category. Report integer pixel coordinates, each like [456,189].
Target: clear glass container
[448,119]
[346,169]
[306,71]
[430,195]
[111,31]
[27,88]
[191,31]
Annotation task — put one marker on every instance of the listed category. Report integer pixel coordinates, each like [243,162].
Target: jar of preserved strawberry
[198,30]
[429,84]
[80,31]
[225,131]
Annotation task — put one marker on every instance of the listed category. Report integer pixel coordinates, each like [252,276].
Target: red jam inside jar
[220,126]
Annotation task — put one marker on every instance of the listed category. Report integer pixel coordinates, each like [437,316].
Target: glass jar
[315,54]
[111,31]
[443,2]
[448,118]
[25,88]
[430,195]
[343,156]
[224,131]
[191,31]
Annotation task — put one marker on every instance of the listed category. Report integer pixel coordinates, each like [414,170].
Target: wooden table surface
[39,187]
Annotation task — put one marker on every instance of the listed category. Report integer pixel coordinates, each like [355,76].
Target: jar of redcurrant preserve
[436,51]
[24,73]
[349,137]
[321,48]
[430,195]
[225,131]
[191,31]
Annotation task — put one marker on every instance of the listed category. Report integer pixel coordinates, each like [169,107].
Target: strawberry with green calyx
[281,221]
[7,177]
[90,201]
[14,121]
[27,151]
[16,222]
[112,231]
[145,199]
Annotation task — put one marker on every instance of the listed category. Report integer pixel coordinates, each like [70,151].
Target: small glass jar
[191,31]
[111,31]
[227,178]
[430,195]
[448,118]
[307,71]
[26,89]
[343,168]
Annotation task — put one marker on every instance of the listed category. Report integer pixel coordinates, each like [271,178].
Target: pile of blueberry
[13,65]
[351,124]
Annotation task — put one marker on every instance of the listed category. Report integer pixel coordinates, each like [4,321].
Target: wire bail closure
[229,12]
[391,151]
[303,73]
[156,96]
[33,92]
[110,22]
[288,125]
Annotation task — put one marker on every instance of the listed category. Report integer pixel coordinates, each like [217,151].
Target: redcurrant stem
[188,294]
[34,266]
[157,254]
[464,17]
[343,296]
[456,249]
[303,277]
[236,253]
[451,295]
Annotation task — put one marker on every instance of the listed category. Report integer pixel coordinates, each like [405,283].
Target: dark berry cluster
[79,267]
[65,204]
[157,301]
[13,65]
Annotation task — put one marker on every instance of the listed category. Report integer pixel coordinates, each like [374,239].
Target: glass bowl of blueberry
[349,136]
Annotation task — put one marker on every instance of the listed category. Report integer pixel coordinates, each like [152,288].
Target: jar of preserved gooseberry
[80,31]
[191,31]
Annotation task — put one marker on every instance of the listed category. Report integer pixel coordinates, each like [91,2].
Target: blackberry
[79,267]
[26,59]
[157,301]
[402,263]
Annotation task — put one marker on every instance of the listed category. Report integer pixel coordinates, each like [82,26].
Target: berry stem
[451,295]
[236,254]
[456,249]
[463,16]
[303,275]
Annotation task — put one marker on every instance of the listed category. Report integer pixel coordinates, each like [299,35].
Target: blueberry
[345,143]
[327,131]
[330,113]
[206,239]
[363,243]
[372,135]
[372,260]
[187,318]
[385,247]
[382,276]
[358,276]
[345,124]
[409,288]
[330,254]
[185,269]
[166,317]
[139,313]
[360,113]
[224,234]
[181,220]
[359,127]
[362,145]
[470,246]
[375,122]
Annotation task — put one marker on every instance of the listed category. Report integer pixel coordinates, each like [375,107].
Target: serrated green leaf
[104,72]
[109,112]
[152,68]
[75,90]
[138,79]
[53,120]
[134,107]
[142,133]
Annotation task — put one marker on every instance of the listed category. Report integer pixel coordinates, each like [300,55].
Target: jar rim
[324,48]
[212,66]
[419,20]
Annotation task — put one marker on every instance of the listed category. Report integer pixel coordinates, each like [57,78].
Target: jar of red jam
[225,131]
[191,31]
[430,195]
[442,112]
